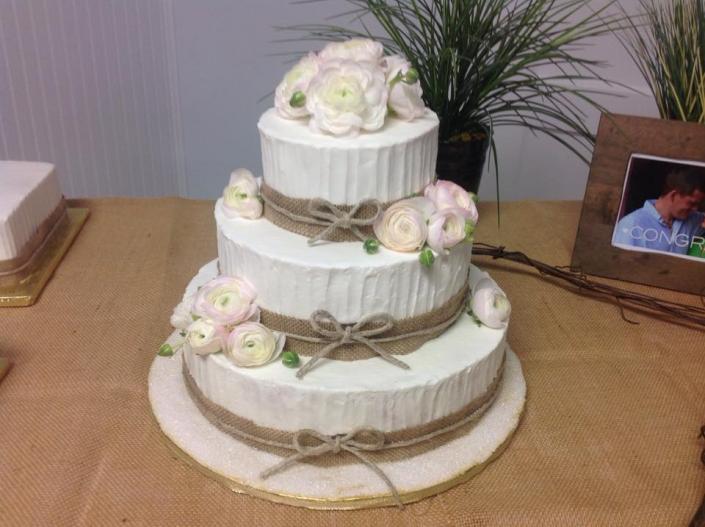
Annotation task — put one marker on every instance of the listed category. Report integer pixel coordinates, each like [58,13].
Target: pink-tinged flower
[346,97]
[405,99]
[295,85]
[252,344]
[181,317]
[241,196]
[448,195]
[446,229]
[490,305]
[354,49]
[205,337]
[226,301]
[402,227]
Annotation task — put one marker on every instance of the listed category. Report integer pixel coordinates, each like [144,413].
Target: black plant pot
[462,161]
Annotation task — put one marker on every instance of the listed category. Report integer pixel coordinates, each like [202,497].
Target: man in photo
[672,221]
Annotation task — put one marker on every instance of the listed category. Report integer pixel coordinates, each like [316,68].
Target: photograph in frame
[627,185]
[662,207]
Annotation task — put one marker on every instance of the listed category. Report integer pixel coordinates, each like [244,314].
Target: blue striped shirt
[646,228]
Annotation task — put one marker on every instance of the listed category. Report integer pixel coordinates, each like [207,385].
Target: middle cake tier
[451,375]
[294,279]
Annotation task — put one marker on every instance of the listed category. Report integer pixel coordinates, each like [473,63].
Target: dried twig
[585,285]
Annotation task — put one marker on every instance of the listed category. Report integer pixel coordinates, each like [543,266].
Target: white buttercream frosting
[294,279]
[390,164]
[445,374]
[29,193]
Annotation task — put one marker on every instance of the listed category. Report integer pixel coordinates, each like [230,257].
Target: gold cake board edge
[355,503]
[27,285]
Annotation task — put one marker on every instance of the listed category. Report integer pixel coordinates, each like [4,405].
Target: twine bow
[309,443]
[336,334]
[336,218]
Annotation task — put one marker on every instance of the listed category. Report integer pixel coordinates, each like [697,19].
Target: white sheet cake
[30,202]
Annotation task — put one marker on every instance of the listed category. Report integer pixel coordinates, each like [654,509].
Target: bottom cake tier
[351,434]
[328,485]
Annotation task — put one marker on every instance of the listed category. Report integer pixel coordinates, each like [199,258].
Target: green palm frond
[667,43]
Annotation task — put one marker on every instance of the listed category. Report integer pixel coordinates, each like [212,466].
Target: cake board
[24,287]
[347,486]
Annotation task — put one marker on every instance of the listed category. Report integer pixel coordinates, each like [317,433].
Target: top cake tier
[389,164]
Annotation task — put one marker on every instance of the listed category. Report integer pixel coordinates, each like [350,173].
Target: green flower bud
[165,350]
[426,257]
[411,76]
[371,246]
[290,359]
[298,99]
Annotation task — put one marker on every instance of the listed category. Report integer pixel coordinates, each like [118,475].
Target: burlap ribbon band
[367,446]
[374,335]
[319,219]
[35,242]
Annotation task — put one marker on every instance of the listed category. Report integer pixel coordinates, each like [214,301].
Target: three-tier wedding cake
[342,325]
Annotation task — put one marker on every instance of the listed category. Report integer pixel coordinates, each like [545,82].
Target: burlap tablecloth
[609,437]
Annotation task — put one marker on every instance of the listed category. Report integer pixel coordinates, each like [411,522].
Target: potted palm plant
[488,63]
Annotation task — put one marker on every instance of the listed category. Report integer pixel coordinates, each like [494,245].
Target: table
[609,437]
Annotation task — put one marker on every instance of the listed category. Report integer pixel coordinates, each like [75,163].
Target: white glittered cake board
[351,486]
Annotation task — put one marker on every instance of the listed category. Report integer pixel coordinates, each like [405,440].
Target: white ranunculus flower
[181,317]
[355,49]
[402,227]
[405,99]
[252,344]
[448,195]
[237,205]
[446,229]
[241,196]
[490,305]
[346,97]
[204,337]
[296,80]
[226,301]
[245,181]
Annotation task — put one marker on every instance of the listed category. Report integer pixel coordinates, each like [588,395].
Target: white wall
[85,84]
[160,97]
[225,62]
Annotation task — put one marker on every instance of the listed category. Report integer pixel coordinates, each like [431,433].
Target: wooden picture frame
[621,138]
